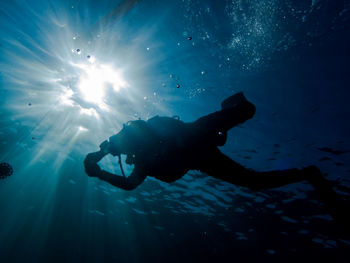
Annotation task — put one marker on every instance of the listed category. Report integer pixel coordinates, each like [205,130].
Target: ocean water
[72,72]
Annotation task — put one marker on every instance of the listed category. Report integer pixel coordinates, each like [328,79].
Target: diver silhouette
[167,148]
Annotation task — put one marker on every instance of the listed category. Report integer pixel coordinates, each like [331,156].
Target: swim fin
[233,101]
[337,207]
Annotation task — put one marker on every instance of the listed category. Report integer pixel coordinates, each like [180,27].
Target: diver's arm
[137,176]
[90,163]
[95,157]
[91,160]
[126,183]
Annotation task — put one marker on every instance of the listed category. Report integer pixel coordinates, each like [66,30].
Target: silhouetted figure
[167,148]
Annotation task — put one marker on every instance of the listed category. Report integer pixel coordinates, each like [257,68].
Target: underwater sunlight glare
[95,78]
[68,85]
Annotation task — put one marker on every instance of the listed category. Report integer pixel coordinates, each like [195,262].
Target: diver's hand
[104,147]
[91,167]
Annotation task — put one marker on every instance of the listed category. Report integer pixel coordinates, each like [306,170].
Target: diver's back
[166,127]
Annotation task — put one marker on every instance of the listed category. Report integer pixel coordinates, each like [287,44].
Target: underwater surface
[72,72]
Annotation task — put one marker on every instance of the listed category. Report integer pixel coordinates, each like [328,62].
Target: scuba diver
[167,148]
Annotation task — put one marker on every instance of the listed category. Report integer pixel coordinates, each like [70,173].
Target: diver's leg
[226,119]
[213,127]
[337,207]
[222,167]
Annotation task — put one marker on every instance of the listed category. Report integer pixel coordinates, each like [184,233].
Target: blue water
[71,75]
